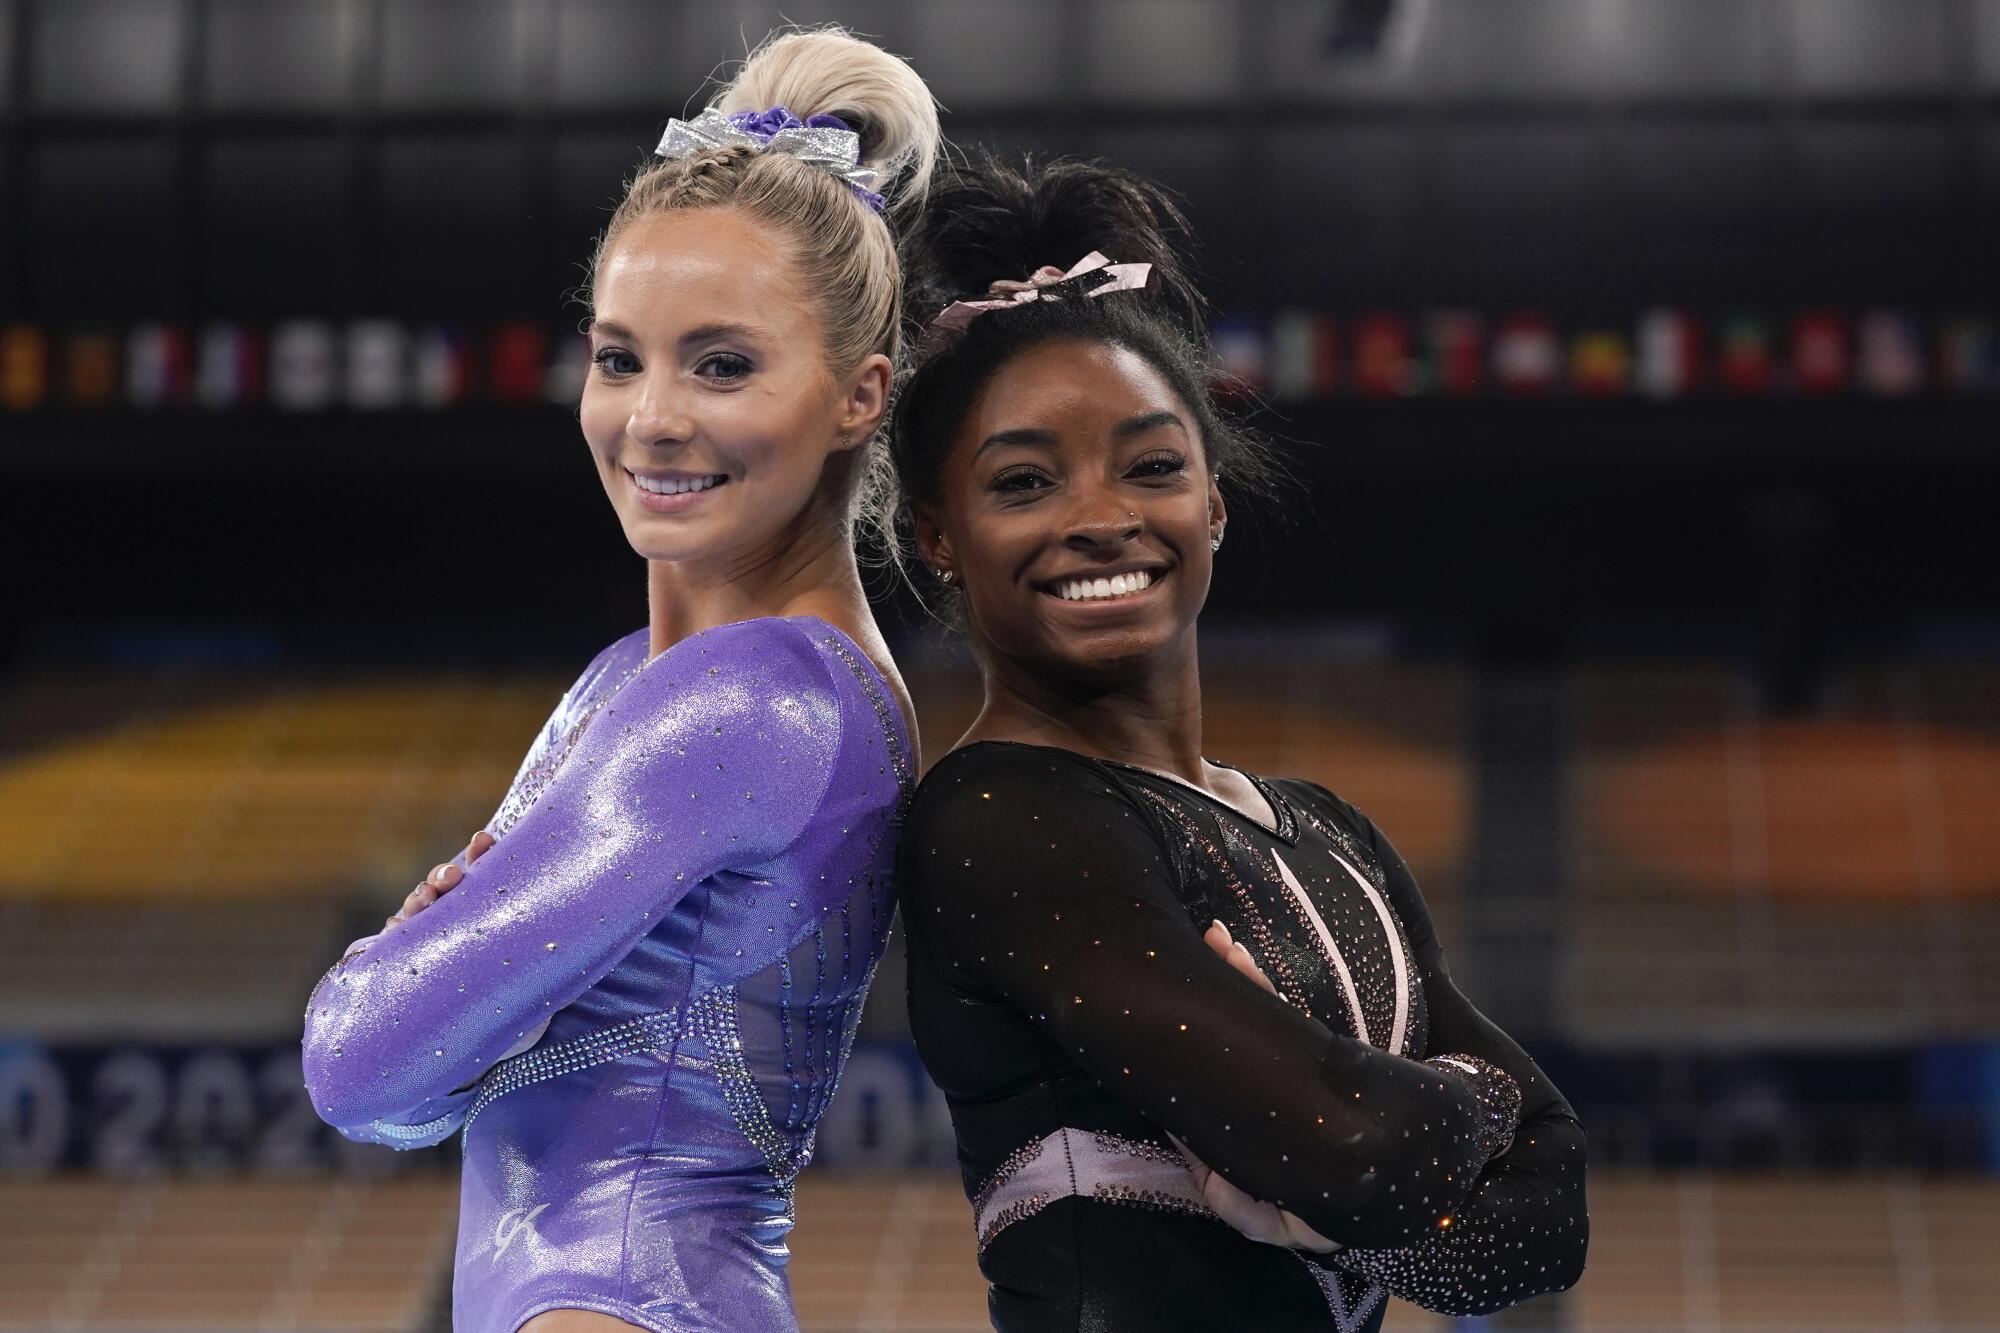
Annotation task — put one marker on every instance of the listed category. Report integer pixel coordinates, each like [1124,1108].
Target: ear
[933,548]
[864,397]
[1218,512]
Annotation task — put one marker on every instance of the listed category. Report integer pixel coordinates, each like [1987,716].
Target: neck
[810,571]
[1149,715]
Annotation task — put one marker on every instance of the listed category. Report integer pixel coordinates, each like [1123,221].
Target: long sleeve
[436,1119]
[1524,1228]
[1032,880]
[715,755]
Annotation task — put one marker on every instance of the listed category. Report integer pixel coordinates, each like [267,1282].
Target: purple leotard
[636,1004]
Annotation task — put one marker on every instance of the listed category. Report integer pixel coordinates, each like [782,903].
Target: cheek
[601,418]
[766,432]
[993,550]
[1009,541]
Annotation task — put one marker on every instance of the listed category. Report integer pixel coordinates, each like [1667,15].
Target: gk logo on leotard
[511,1224]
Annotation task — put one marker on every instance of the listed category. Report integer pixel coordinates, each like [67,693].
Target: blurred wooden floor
[893,1254]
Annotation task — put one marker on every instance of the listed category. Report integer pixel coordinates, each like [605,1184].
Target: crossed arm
[1034,882]
[740,722]
[1524,1227]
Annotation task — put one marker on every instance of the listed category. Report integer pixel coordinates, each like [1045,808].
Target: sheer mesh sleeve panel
[1524,1228]
[1035,879]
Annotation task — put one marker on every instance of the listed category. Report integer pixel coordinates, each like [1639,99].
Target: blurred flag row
[378,364]
[297,366]
[1667,353]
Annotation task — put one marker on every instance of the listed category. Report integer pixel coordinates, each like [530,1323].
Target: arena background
[1638,361]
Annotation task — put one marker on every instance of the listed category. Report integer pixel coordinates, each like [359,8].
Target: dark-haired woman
[1151,1139]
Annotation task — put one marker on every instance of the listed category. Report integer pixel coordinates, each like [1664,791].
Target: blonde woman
[634,993]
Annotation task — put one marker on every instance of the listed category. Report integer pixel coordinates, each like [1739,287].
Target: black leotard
[1062,997]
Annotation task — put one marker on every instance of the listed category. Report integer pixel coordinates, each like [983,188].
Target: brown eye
[1162,464]
[1019,479]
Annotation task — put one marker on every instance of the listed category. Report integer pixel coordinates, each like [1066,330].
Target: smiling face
[1076,510]
[709,408]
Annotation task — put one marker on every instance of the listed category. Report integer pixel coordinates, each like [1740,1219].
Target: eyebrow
[1035,436]
[701,333]
[1139,425]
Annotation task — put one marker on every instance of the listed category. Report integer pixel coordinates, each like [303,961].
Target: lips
[675,483]
[673,492]
[1104,586]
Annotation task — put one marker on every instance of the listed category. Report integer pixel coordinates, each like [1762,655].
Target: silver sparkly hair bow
[822,141]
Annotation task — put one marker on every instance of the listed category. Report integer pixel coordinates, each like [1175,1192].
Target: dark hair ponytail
[991,220]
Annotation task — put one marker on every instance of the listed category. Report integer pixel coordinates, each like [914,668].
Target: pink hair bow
[1006,294]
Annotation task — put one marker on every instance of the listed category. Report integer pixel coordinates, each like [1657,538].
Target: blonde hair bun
[827,70]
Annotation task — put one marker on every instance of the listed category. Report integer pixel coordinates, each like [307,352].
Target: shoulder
[737,691]
[1005,827]
[993,789]
[762,662]
[1012,767]
[746,709]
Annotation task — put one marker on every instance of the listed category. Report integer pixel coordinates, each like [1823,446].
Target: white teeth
[676,485]
[1118,585]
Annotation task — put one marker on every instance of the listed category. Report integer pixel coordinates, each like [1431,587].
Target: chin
[1112,649]
[648,540]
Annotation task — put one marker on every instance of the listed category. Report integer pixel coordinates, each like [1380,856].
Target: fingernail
[437,872]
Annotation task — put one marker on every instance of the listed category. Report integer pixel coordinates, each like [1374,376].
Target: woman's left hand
[1259,1221]
[444,877]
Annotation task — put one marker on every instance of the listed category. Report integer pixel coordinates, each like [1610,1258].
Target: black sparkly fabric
[1058,977]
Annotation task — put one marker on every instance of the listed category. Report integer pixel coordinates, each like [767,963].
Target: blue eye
[627,364]
[725,366]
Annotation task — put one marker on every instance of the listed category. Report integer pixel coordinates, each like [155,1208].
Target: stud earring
[1215,542]
[944,575]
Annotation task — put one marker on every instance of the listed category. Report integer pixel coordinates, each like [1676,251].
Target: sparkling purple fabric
[764,124]
[690,891]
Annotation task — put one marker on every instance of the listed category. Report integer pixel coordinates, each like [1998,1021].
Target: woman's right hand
[443,878]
